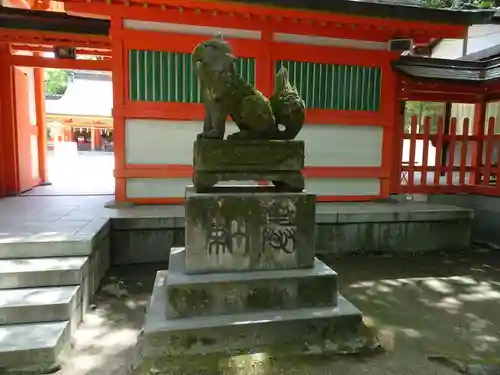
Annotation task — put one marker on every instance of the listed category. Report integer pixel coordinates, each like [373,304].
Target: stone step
[36,305]
[39,272]
[50,244]
[237,292]
[30,344]
[310,327]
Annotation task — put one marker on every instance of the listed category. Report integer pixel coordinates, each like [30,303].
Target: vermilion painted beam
[178,42]
[54,39]
[246,22]
[330,54]
[195,111]
[41,62]
[264,14]
[79,51]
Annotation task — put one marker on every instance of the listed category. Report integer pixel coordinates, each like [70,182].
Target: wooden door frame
[27,40]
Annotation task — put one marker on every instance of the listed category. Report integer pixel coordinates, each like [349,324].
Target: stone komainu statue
[225,92]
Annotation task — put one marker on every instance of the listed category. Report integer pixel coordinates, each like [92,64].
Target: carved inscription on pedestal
[229,232]
[223,238]
[279,232]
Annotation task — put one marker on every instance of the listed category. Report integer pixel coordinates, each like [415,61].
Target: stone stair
[43,296]
[41,303]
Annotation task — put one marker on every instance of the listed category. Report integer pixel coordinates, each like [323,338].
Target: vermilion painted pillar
[118,71]
[477,147]
[41,123]
[67,134]
[93,137]
[8,146]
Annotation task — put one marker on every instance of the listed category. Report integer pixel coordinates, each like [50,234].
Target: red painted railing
[459,158]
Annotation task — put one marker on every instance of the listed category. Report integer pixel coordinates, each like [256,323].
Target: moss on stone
[265,298]
[278,359]
[248,156]
[186,302]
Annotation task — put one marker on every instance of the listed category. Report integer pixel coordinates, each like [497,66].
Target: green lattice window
[156,76]
[336,87]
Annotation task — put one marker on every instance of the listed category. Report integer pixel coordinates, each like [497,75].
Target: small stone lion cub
[225,92]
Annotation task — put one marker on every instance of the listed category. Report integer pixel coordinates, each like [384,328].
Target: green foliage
[462,4]
[434,110]
[56,81]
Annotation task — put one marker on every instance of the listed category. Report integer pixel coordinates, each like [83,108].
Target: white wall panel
[171,142]
[191,29]
[343,186]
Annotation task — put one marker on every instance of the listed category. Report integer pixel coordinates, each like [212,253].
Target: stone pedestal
[280,162]
[253,229]
[246,281]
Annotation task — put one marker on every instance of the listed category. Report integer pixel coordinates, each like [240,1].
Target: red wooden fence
[460,159]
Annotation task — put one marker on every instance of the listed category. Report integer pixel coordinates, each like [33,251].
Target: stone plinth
[221,160]
[247,281]
[239,292]
[212,155]
[297,330]
[252,229]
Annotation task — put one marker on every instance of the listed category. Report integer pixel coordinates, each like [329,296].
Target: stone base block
[246,230]
[214,155]
[239,292]
[300,330]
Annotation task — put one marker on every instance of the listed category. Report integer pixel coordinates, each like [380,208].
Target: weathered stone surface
[32,344]
[299,328]
[213,155]
[248,231]
[237,292]
[141,245]
[397,237]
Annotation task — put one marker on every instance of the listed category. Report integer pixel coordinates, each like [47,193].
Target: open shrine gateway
[340,64]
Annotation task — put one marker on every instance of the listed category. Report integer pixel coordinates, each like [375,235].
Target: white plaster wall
[342,145]
[482,36]
[343,186]
[157,187]
[171,142]
[190,29]
[332,42]
[448,49]
[479,37]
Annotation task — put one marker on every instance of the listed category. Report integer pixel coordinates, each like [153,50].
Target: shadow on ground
[423,305]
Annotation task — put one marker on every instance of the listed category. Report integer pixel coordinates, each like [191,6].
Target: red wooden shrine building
[338,56]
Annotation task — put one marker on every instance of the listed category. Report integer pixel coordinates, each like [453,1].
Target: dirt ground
[423,305]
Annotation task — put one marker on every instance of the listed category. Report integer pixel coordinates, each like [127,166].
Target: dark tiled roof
[449,70]
[393,9]
[14,18]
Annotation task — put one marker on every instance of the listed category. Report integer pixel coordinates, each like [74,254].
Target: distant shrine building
[83,113]
[344,57]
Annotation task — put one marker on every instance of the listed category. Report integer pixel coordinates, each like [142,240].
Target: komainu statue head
[213,56]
